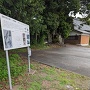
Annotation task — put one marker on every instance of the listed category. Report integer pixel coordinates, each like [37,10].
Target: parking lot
[71,57]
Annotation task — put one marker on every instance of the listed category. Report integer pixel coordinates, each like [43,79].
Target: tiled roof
[82,31]
[81,26]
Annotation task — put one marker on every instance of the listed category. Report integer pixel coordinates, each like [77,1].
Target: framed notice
[15,33]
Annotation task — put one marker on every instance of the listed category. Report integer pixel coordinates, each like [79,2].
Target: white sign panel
[15,34]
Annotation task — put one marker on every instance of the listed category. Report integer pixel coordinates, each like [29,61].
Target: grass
[17,67]
[35,85]
[19,50]
[51,78]
[39,46]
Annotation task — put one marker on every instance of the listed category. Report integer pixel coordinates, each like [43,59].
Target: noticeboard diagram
[15,33]
[7,39]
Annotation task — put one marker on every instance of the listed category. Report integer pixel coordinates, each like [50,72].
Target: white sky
[77,15]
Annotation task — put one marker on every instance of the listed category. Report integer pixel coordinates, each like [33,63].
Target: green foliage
[88,18]
[88,22]
[86,9]
[65,29]
[41,39]
[88,6]
[16,65]
[3,69]
[52,21]
[56,16]
[73,5]
[36,20]
[19,50]
[43,16]
[39,46]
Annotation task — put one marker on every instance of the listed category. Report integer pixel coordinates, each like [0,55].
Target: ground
[47,77]
[51,78]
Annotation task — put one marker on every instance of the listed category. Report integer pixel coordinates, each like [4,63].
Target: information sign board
[15,33]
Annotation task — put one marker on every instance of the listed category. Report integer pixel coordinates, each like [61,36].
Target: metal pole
[28,59]
[8,66]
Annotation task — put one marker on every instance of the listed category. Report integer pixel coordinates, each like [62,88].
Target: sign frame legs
[29,59]
[8,67]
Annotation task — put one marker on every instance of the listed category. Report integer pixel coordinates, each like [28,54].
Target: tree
[66,22]
[45,17]
[27,11]
[36,21]
[51,17]
[64,26]
[86,10]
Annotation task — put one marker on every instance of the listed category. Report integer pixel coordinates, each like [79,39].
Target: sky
[83,12]
[78,15]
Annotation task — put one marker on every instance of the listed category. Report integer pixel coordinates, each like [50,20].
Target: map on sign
[15,34]
[7,39]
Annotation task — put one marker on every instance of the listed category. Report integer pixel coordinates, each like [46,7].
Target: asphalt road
[73,58]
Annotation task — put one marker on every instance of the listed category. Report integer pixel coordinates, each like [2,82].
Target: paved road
[73,58]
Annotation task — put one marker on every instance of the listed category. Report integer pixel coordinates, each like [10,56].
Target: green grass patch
[16,65]
[49,78]
[18,50]
[49,71]
[39,46]
[57,78]
[35,86]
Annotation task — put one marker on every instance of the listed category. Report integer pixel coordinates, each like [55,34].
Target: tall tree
[43,16]
[36,21]
[51,17]
[66,22]
[85,9]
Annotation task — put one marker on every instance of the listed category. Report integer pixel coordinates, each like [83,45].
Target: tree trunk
[49,38]
[36,36]
[60,39]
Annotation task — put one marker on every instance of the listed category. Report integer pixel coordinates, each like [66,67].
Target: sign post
[8,67]
[15,35]
[29,54]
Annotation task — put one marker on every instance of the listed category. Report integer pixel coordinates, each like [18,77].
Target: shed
[78,37]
